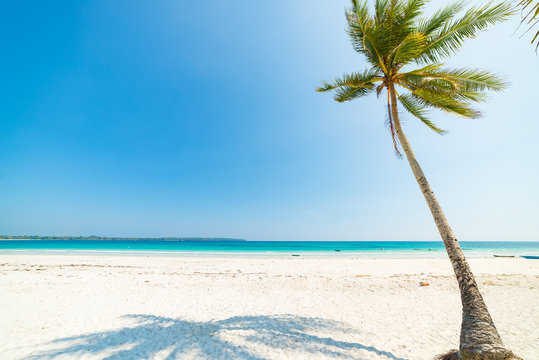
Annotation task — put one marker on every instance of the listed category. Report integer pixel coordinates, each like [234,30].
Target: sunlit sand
[130,307]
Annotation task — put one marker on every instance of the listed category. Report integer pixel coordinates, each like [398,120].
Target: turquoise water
[372,249]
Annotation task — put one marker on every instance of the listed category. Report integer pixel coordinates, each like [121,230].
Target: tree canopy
[405,50]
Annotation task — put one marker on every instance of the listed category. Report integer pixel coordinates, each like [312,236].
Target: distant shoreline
[224,239]
[104,238]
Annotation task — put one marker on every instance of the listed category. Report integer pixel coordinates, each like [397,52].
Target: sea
[363,249]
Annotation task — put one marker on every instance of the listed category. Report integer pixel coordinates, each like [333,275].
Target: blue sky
[184,118]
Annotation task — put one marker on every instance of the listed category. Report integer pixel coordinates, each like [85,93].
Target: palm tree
[393,39]
[530,17]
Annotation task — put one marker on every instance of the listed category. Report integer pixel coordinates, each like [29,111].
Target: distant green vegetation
[54,237]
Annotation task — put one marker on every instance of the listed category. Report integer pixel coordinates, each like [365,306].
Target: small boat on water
[504,256]
[529,257]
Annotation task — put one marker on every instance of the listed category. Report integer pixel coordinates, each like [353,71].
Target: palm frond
[449,38]
[476,80]
[414,108]
[530,13]
[378,35]
[411,10]
[364,80]
[440,18]
[426,68]
[380,10]
[445,89]
[410,47]
[394,35]
[462,80]
[444,102]
[360,30]
[347,93]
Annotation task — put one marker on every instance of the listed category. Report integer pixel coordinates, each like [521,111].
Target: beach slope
[137,307]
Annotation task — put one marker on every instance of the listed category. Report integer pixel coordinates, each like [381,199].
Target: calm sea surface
[370,249]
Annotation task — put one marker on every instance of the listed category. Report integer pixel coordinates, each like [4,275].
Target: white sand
[114,307]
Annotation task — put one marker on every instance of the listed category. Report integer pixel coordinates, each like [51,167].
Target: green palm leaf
[441,17]
[466,80]
[450,37]
[410,47]
[530,17]
[415,108]
[444,102]
[360,30]
[395,34]
[364,80]
[347,93]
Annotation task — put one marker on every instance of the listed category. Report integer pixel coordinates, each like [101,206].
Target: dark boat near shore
[511,256]
[529,257]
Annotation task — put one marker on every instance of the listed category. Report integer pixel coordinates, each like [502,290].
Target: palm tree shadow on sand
[232,338]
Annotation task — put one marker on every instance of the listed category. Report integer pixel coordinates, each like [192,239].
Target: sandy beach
[138,307]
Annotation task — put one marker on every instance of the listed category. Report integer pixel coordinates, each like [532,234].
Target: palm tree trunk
[479,338]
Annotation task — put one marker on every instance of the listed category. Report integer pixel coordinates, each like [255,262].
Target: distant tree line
[55,237]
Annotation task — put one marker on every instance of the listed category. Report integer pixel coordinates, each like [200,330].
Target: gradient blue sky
[188,118]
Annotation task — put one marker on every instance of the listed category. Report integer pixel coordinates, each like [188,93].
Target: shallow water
[369,249]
